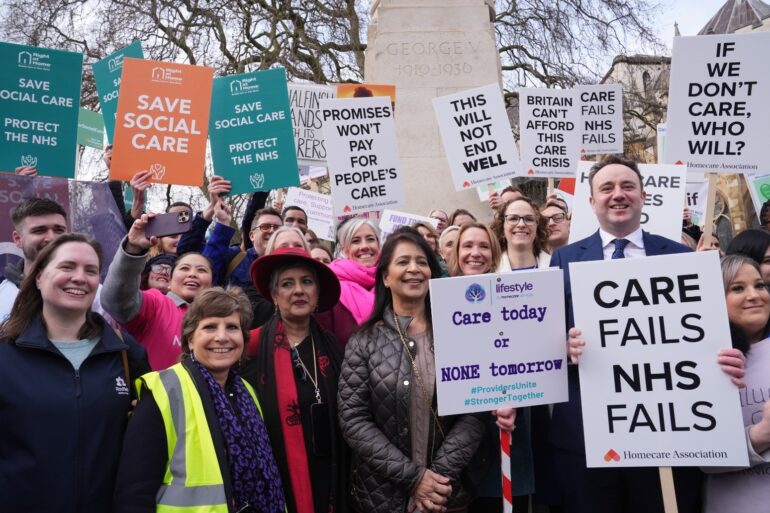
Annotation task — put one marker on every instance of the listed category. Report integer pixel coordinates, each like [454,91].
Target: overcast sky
[691,15]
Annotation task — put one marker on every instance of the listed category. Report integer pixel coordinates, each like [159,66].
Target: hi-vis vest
[193,481]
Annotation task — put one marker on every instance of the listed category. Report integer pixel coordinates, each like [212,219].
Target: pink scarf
[357,287]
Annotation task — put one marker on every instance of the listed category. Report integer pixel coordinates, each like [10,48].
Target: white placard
[697,194]
[484,190]
[601,108]
[652,391]
[719,103]
[318,207]
[549,120]
[665,186]
[304,101]
[477,136]
[499,340]
[392,219]
[363,154]
[660,131]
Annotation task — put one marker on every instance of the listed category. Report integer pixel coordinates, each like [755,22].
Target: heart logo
[583,151]
[466,184]
[611,456]
[530,172]
[257,180]
[678,163]
[157,170]
[28,160]
[347,209]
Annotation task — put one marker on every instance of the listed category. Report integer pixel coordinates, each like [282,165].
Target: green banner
[39,103]
[91,129]
[250,130]
[107,74]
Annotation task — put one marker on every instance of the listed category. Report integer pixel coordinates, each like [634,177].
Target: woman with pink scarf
[359,242]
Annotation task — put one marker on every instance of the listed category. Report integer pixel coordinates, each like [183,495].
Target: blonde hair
[270,247]
[454,257]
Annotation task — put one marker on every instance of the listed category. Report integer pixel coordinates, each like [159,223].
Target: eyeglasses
[268,227]
[160,269]
[514,219]
[299,370]
[556,218]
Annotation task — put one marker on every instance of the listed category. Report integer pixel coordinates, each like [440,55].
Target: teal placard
[91,129]
[39,104]
[107,74]
[252,140]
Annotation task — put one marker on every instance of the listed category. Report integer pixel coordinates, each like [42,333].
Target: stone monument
[430,48]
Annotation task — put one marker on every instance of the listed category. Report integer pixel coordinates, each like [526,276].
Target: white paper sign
[660,130]
[665,186]
[549,120]
[362,154]
[393,219]
[318,207]
[304,101]
[697,194]
[477,136]
[499,340]
[719,103]
[652,391]
[601,108]
[484,190]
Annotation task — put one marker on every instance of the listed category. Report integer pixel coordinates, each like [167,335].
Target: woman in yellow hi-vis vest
[197,442]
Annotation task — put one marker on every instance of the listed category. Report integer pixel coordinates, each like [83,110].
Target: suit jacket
[566,431]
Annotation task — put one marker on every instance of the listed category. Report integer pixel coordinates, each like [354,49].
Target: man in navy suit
[617,198]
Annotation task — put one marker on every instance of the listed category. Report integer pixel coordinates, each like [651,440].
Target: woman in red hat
[294,366]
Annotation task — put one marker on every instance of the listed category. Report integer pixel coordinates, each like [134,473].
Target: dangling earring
[192,356]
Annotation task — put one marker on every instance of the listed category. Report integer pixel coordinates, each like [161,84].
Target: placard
[759,189]
[90,129]
[499,340]
[652,391]
[367,90]
[665,186]
[304,100]
[601,110]
[252,139]
[477,136]
[697,194]
[362,152]
[39,104]
[498,187]
[162,122]
[719,103]
[107,73]
[550,126]
[318,207]
[393,219]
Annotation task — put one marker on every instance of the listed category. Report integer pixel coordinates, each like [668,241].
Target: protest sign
[550,126]
[308,172]
[162,122]
[90,129]
[652,391]
[392,219]
[477,136]
[39,104]
[697,193]
[107,73]
[759,189]
[483,190]
[566,191]
[499,340]
[660,130]
[665,188]
[306,118]
[601,110]
[718,103]
[362,153]
[252,140]
[318,207]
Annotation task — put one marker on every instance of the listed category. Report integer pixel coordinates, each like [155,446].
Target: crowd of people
[262,370]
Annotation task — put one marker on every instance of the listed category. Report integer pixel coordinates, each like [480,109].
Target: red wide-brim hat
[328,284]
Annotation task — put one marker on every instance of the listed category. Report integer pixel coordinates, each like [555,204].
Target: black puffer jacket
[375,383]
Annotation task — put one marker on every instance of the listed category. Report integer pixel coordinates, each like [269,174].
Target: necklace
[423,390]
[299,365]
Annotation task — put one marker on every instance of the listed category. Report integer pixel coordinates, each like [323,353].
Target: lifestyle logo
[475,293]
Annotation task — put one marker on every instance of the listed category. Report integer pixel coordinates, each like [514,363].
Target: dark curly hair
[541,234]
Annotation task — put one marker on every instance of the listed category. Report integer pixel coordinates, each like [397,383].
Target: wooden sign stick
[667,487]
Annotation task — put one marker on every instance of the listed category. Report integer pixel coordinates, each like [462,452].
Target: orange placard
[162,122]
[364,90]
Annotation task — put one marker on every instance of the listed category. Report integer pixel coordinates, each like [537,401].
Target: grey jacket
[375,383]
